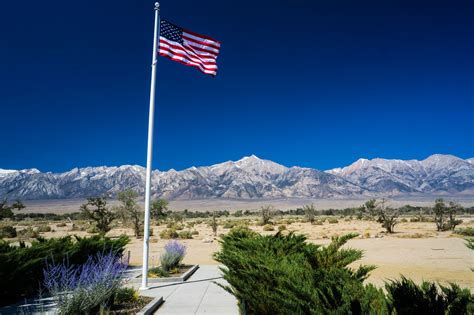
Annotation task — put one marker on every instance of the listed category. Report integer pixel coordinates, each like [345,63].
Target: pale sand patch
[439,257]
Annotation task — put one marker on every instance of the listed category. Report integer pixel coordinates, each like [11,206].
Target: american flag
[189,48]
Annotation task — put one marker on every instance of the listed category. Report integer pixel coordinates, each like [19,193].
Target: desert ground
[416,250]
[72,205]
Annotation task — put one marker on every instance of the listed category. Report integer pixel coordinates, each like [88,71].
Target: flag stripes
[188,48]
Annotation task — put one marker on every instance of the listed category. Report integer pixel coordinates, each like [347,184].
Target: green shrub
[468,231]
[21,267]
[268,227]
[228,225]
[43,228]
[158,272]
[194,232]
[409,298]
[288,221]
[185,235]
[175,226]
[29,232]
[281,227]
[126,295]
[8,231]
[277,273]
[333,220]
[169,234]
[470,244]
[92,230]
[238,213]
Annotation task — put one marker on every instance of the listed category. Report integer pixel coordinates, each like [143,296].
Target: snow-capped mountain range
[252,178]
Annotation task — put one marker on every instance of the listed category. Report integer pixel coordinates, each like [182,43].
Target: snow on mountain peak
[256,165]
[251,177]
[7,172]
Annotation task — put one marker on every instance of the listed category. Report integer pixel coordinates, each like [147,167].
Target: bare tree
[267,213]
[214,224]
[385,215]
[310,213]
[18,205]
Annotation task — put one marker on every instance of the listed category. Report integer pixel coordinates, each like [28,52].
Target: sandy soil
[416,250]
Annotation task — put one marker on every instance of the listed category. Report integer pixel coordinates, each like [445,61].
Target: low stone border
[184,277]
[152,306]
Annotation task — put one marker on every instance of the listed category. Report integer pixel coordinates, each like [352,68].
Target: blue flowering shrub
[173,255]
[85,289]
[170,260]
[21,267]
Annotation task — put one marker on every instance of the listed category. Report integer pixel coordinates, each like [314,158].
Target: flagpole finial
[157,6]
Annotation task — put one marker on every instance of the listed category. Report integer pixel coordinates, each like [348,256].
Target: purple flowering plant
[87,288]
[173,255]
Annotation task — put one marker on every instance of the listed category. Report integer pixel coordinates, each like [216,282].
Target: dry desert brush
[379,211]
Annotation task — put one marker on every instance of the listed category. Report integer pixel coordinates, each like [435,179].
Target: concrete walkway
[198,295]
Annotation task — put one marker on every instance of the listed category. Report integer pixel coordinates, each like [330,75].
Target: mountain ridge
[252,178]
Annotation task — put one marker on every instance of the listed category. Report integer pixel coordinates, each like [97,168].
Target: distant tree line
[97,211]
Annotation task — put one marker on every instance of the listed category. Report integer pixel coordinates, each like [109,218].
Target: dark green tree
[453,209]
[6,210]
[96,210]
[158,209]
[214,224]
[309,213]
[130,210]
[439,211]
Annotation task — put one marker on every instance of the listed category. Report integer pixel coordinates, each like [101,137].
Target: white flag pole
[146,234]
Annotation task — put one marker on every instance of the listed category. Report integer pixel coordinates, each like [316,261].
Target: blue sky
[309,83]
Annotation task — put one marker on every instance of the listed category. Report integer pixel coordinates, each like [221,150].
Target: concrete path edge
[151,307]
[184,277]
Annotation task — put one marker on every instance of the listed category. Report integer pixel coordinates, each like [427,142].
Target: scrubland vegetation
[283,241]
